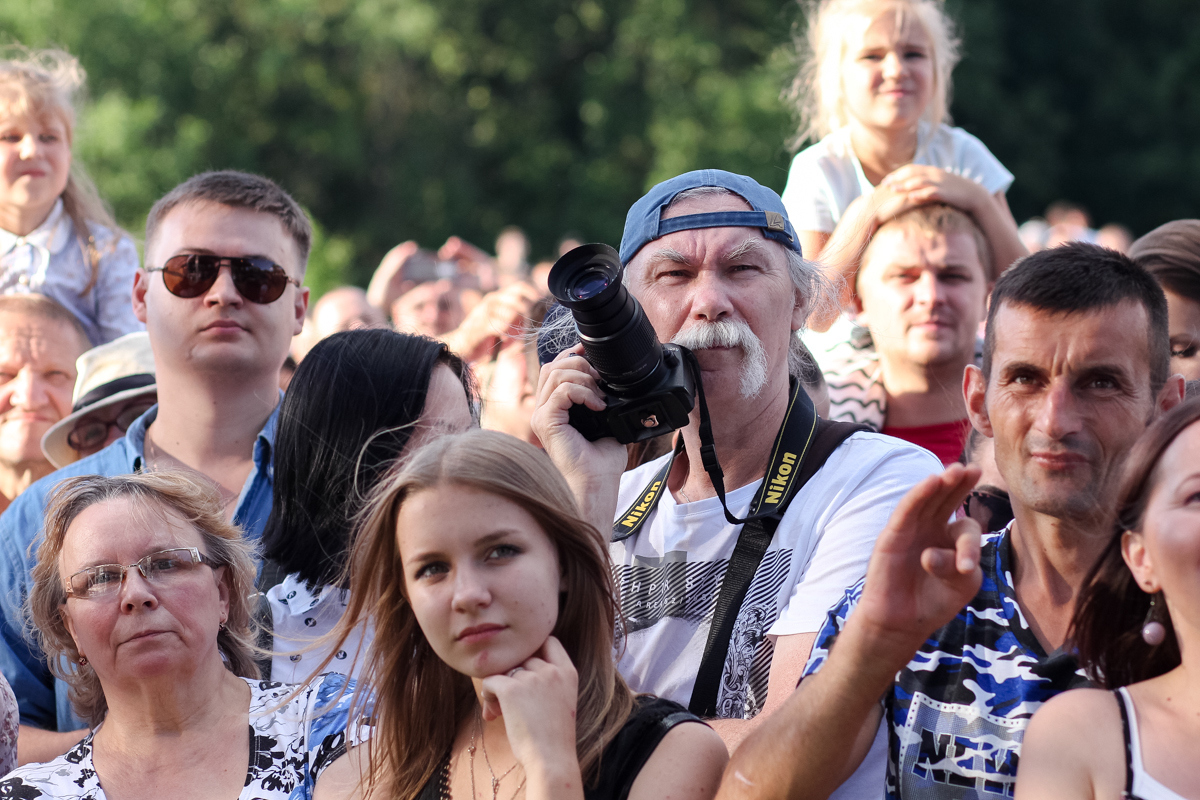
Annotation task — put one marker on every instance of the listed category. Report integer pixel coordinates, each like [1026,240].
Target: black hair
[346,417]
[1078,277]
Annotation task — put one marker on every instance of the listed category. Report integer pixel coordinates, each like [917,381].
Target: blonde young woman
[874,93]
[56,236]
[492,666]
[141,604]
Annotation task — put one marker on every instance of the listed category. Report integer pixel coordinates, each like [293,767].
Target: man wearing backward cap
[714,261]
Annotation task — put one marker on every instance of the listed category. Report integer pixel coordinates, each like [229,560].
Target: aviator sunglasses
[259,280]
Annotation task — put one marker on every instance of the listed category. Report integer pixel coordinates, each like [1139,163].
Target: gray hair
[811,285]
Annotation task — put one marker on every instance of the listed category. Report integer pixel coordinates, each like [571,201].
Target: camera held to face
[648,386]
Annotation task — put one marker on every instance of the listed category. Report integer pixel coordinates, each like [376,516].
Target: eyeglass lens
[92,433]
[259,280]
[156,567]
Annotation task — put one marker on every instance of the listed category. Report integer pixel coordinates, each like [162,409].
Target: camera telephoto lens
[617,338]
[588,285]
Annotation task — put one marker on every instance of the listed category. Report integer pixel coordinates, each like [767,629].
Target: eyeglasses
[992,511]
[159,568]
[90,433]
[259,280]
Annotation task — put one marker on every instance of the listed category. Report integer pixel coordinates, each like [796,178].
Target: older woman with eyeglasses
[141,604]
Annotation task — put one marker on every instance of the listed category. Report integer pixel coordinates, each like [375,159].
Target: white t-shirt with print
[669,573]
[825,178]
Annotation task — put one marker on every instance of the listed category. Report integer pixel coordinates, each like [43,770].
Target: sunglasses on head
[259,280]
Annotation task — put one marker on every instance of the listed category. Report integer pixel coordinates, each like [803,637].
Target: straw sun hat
[109,374]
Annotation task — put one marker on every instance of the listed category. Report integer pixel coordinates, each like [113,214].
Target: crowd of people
[929,532]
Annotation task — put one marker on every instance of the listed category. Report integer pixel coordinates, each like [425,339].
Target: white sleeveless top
[1139,785]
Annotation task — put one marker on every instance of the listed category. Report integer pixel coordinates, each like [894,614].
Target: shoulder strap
[748,553]
[272,574]
[1128,743]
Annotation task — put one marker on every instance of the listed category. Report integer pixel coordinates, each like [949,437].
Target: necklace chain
[478,729]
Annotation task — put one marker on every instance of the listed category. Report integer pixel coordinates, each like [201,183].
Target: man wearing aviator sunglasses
[221,300]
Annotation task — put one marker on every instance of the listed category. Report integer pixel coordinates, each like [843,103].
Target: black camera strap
[803,444]
[778,486]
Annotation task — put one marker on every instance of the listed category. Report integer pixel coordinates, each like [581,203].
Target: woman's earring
[83,662]
[1153,631]
[222,627]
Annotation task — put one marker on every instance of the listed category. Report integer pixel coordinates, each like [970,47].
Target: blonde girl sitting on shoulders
[56,236]
[875,89]
[491,674]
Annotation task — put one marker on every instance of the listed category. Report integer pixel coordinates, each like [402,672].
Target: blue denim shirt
[41,697]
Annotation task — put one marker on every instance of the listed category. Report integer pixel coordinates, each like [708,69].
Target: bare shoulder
[1073,748]
[345,778]
[686,765]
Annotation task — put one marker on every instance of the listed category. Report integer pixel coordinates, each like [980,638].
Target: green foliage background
[399,119]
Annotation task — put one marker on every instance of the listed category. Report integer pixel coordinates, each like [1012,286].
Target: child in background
[56,237]
[875,89]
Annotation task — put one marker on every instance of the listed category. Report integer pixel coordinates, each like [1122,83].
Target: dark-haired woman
[1137,630]
[1171,253]
[358,400]
[491,670]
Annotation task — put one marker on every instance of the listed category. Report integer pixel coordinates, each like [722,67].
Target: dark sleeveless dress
[651,719]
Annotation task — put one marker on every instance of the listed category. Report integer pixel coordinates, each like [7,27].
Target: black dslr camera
[647,385]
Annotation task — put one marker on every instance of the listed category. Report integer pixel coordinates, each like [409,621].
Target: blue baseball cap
[644,223]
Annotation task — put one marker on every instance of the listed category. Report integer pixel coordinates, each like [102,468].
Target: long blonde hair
[40,83]
[816,92]
[416,701]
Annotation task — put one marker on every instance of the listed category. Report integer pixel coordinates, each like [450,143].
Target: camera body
[649,389]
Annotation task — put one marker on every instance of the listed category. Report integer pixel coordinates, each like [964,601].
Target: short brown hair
[946,220]
[176,493]
[237,190]
[38,305]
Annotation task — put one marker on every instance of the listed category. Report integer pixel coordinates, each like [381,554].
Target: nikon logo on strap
[792,442]
[638,510]
[778,485]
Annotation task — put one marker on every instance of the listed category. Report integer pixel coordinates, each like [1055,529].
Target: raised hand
[499,316]
[537,701]
[386,283]
[924,568]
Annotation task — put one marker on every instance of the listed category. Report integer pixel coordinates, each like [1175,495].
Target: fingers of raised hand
[961,559]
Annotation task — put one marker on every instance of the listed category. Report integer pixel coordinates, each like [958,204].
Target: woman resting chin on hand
[492,668]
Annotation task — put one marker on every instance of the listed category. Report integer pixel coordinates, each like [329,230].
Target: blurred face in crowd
[922,295]
[93,432]
[37,376]
[447,409]
[1067,397]
[1184,326]
[220,332]
[887,71]
[146,628]
[727,293]
[345,309]
[430,309]
[35,161]
[1165,554]
[482,576]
